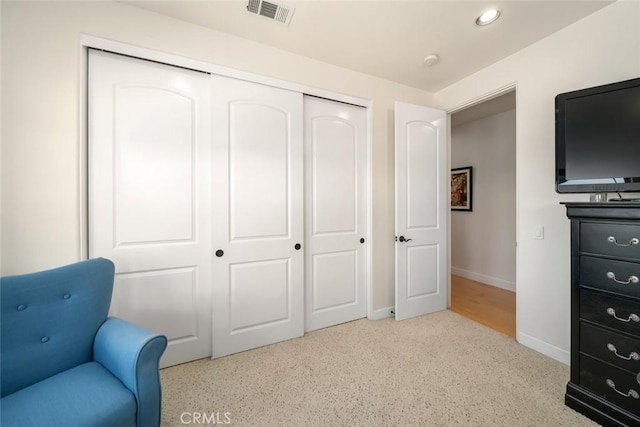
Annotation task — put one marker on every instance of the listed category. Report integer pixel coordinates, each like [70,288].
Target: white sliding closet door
[149,195]
[257,215]
[336,213]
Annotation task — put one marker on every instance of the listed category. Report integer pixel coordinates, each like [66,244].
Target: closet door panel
[335,168]
[149,198]
[257,215]
[334,276]
[272,295]
[259,166]
[166,129]
[333,150]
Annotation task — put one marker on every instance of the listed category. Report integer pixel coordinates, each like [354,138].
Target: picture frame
[462,189]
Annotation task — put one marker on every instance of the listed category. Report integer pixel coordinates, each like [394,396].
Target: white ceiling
[390,39]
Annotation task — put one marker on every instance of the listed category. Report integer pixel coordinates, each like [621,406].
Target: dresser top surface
[606,210]
[601,205]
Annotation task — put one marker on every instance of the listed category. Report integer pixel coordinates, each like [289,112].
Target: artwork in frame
[461,193]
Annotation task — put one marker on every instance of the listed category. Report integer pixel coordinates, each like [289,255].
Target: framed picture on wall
[461,189]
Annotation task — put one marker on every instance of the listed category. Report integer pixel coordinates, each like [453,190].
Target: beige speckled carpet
[436,370]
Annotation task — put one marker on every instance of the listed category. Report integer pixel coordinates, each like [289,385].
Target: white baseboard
[545,348]
[482,278]
[380,314]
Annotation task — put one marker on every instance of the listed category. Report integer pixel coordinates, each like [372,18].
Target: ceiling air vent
[274,11]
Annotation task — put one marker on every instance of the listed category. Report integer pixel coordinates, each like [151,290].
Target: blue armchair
[64,362]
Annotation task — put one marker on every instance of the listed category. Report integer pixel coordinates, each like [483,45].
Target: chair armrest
[132,354]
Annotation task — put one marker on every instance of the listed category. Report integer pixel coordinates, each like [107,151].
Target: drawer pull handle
[632,279]
[631,317]
[632,242]
[632,392]
[633,355]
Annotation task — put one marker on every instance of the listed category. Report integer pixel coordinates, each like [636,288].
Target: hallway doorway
[483,235]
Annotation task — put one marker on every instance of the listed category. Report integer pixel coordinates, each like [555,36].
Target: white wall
[483,241]
[41,119]
[602,48]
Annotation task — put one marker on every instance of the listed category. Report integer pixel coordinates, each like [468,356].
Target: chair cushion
[87,395]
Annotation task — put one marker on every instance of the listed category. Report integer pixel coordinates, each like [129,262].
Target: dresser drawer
[620,350]
[613,384]
[618,313]
[617,240]
[615,276]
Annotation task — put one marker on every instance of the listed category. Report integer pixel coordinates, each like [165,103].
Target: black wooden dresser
[605,312]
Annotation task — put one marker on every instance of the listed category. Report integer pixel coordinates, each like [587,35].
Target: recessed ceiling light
[488,17]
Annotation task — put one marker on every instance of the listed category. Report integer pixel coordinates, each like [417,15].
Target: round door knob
[297,246]
[219,253]
[362,240]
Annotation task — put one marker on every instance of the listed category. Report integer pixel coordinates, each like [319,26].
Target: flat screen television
[598,139]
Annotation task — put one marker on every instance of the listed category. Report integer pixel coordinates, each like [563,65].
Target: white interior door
[421,210]
[335,201]
[257,216]
[149,196]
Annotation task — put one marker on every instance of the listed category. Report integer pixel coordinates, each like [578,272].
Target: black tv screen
[598,139]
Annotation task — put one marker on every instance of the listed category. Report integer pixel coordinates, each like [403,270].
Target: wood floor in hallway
[493,307]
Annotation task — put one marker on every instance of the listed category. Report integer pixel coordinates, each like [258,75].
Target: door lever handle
[403,239]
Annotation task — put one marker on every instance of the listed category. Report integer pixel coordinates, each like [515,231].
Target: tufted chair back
[49,320]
